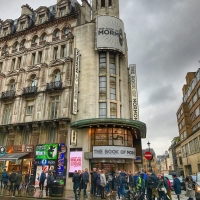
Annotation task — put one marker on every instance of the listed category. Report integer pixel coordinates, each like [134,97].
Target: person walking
[99,183]
[189,188]
[12,178]
[50,180]
[169,188]
[102,184]
[76,180]
[177,186]
[85,182]
[18,181]
[131,182]
[41,180]
[4,179]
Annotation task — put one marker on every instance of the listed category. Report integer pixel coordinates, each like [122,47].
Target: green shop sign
[46,152]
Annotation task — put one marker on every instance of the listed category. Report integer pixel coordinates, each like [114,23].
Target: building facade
[188,119]
[62,82]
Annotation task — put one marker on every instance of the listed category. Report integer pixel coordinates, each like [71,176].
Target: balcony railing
[57,85]
[30,90]
[8,94]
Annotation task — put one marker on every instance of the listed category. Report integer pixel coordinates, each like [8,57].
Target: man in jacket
[41,181]
[17,182]
[131,182]
[4,179]
[76,180]
[93,181]
[85,181]
[120,184]
[12,178]
[50,180]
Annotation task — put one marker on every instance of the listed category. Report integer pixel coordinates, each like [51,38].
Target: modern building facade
[188,119]
[65,79]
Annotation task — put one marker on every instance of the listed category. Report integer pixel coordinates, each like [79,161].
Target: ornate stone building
[65,79]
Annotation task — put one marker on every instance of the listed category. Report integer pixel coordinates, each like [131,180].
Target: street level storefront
[113,144]
[50,157]
[18,158]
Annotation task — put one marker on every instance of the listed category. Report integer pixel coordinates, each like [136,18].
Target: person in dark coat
[41,180]
[18,181]
[85,181]
[5,179]
[177,186]
[93,181]
[50,180]
[12,180]
[76,180]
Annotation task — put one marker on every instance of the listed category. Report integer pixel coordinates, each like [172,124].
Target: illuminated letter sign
[75,84]
[134,95]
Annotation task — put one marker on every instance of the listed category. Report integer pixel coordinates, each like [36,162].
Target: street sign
[148,155]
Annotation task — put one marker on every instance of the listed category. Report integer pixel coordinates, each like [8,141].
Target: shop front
[113,144]
[18,158]
[49,157]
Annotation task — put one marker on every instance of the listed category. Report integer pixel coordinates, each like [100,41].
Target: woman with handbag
[161,187]
[189,189]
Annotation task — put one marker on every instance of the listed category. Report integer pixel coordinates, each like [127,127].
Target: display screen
[46,152]
[75,161]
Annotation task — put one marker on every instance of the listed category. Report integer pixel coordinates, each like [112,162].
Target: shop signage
[20,149]
[134,95]
[46,152]
[114,152]
[44,162]
[2,150]
[138,159]
[61,157]
[110,33]
[75,83]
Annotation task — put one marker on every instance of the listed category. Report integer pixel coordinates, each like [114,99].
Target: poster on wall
[38,173]
[75,161]
[110,33]
[46,152]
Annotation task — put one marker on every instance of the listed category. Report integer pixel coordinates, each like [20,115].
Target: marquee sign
[134,95]
[75,83]
[2,150]
[114,152]
[110,33]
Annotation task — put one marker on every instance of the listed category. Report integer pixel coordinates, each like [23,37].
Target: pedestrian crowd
[126,184]
[14,182]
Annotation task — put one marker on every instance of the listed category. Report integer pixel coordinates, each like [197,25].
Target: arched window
[57,76]
[66,30]
[12,85]
[33,80]
[22,44]
[5,50]
[34,41]
[43,37]
[56,34]
[15,47]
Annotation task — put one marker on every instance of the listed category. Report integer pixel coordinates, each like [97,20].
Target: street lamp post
[148,143]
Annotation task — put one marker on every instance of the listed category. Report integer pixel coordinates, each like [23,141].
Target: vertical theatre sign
[134,95]
[75,83]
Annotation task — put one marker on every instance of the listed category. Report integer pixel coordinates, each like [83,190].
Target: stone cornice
[40,26]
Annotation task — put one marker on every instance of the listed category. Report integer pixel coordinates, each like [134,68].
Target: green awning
[117,122]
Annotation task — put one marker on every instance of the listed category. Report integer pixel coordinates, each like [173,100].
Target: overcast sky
[164,43]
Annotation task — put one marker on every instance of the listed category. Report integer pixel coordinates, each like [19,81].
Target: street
[69,195]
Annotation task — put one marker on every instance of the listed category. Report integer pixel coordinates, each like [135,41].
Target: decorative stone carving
[63,128]
[35,130]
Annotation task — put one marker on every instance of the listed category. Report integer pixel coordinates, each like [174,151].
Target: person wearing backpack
[50,180]
[5,179]
[12,178]
[131,182]
[41,180]
[120,185]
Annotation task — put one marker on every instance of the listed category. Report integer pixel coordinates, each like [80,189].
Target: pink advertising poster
[75,161]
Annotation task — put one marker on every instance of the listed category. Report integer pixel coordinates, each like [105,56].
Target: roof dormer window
[103,3]
[22,24]
[62,11]
[5,31]
[110,3]
[42,18]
